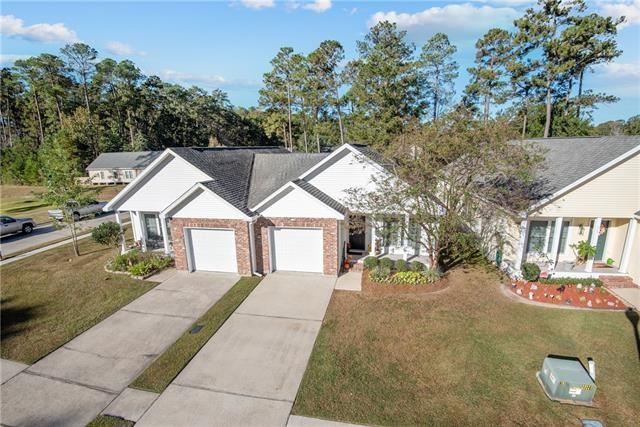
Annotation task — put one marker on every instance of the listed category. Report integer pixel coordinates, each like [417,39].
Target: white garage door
[213,250]
[297,249]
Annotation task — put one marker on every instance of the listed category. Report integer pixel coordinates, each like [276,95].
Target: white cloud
[629,9]
[203,79]
[460,21]
[258,4]
[318,6]
[123,49]
[10,26]
[620,70]
[10,58]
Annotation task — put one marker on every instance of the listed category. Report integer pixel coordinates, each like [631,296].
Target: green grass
[164,369]
[24,201]
[464,356]
[49,298]
[109,421]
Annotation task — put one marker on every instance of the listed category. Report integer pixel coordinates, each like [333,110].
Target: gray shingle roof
[569,159]
[272,171]
[323,197]
[124,160]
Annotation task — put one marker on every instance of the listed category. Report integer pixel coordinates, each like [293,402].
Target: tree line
[534,76]
[85,106]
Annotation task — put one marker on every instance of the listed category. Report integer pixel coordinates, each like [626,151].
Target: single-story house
[591,192]
[119,168]
[256,210]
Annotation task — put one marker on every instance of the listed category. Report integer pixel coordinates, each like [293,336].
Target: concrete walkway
[631,296]
[250,370]
[73,384]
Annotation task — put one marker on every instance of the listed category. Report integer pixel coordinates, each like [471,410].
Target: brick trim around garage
[329,236]
[243,256]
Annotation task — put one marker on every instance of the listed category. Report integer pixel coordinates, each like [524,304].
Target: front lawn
[22,201]
[164,369]
[49,298]
[464,356]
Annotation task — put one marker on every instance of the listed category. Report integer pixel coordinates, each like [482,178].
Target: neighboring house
[256,210]
[119,168]
[591,193]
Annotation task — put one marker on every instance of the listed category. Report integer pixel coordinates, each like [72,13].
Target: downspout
[252,246]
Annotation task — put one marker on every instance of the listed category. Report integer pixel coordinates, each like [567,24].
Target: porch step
[618,281]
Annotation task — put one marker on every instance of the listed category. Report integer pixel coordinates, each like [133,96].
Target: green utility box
[567,381]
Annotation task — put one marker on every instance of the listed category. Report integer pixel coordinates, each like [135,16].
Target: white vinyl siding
[350,171]
[299,204]
[164,187]
[297,249]
[209,205]
[212,250]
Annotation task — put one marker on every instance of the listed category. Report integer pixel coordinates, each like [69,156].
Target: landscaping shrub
[107,234]
[140,263]
[530,271]
[370,262]
[431,275]
[402,265]
[571,281]
[418,266]
[408,278]
[380,274]
[386,262]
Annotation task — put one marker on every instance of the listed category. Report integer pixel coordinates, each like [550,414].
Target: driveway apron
[250,370]
[73,384]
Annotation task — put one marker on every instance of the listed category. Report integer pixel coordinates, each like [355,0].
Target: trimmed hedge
[530,271]
[370,262]
[418,266]
[386,262]
[402,265]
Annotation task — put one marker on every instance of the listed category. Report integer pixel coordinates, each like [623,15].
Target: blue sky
[228,44]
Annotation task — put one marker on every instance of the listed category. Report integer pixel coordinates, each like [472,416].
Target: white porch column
[555,243]
[524,227]
[122,238]
[165,236]
[628,245]
[372,252]
[595,232]
[143,231]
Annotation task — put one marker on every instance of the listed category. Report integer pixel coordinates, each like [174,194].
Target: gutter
[252,246]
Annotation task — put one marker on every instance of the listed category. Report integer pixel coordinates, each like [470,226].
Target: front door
[602,239]
[356,232]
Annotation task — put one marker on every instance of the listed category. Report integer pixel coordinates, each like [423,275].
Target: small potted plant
[583,251]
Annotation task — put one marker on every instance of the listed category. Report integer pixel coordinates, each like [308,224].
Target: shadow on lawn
[634,317]
[13,318]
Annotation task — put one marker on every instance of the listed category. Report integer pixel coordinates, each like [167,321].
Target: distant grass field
[25,200]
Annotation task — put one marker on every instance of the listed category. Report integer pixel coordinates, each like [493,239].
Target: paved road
[249,372]
[70,386]
[46,233]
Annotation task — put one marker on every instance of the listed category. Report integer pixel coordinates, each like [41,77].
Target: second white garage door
[297,249]
[213,250]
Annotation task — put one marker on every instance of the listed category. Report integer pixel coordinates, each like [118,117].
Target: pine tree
[438,72]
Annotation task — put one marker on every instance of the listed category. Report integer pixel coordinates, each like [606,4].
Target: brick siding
[242,239]
[330,240]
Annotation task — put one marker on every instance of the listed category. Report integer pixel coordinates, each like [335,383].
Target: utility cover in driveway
[297,249]
[213,250]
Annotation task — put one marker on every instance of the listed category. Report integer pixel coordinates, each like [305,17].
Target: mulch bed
[582,296]
[385,288]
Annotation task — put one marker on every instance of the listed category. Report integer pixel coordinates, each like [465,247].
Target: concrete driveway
[74,383]
[250,370]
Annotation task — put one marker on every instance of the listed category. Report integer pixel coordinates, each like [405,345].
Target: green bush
[107,234]
[418,266]
[408,278]
[370,262]
[402,265]
[386,262]
[530,271]
[571,281]
[380,274]
[431,275]
[140,263]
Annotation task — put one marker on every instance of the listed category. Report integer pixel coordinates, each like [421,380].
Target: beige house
[591,192]
[119,168]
